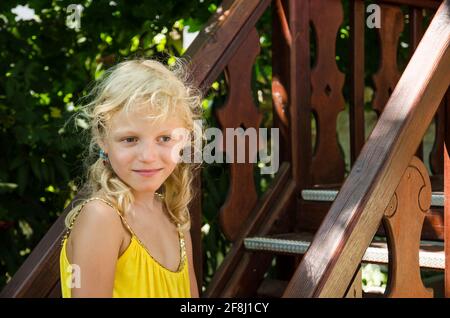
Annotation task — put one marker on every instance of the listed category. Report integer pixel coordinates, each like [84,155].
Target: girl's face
[143,153]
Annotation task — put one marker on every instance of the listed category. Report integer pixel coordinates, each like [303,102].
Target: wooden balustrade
[335,254]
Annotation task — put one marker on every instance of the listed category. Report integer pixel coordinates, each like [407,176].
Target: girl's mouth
[147,172]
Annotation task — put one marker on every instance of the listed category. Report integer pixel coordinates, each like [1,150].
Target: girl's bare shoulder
[97,223]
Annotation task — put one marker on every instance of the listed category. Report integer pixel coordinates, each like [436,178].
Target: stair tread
[431,254]
[329,195]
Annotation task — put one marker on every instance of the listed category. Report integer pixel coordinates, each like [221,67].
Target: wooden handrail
[208,55]
[224,33]
[336,252]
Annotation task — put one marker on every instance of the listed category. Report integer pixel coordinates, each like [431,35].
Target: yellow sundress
[138,274]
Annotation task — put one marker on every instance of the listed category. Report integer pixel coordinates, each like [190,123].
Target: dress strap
[182,245]
[66,235]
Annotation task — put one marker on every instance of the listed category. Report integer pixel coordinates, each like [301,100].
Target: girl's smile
[148,172]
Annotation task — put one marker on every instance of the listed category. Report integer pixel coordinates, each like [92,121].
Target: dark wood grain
[281,43]
[357,26]
[447,201]
[195,209]
[300,93]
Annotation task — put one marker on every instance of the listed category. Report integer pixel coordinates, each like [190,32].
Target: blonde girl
[130,238]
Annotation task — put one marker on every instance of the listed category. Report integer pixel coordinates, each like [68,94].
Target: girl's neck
[147,200]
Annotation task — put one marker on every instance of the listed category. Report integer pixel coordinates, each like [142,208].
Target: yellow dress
[138,274]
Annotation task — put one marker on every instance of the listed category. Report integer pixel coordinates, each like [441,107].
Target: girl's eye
[130,139]
[165,138]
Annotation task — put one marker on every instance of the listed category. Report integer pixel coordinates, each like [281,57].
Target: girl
[130,238]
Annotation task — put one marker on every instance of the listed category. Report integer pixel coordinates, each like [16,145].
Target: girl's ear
[103,145]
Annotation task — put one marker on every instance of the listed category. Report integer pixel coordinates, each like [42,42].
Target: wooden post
[446,195]
[356,110]
[300,92]
[447,218]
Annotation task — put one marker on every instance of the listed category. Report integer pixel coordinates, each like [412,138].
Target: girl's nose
[147,153]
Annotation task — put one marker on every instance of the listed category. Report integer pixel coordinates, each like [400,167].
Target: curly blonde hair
[166,91]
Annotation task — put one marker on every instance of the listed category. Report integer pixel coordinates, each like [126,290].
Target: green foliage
[374,277]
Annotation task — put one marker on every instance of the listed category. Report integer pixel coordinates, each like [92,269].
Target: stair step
[437,198]
[431,254]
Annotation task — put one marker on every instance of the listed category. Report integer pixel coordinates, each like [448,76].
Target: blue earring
[103,155]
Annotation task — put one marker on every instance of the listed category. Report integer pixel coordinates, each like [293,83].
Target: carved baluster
[403,222]
[387,75]
[240,112]
[327,100]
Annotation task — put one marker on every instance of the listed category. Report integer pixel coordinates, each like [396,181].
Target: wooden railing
[334,256]
[294,99]
[326,97]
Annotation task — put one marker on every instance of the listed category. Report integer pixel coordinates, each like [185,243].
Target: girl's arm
[95,242]
[192,277]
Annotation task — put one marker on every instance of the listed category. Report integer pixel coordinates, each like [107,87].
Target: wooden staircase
[387,186]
